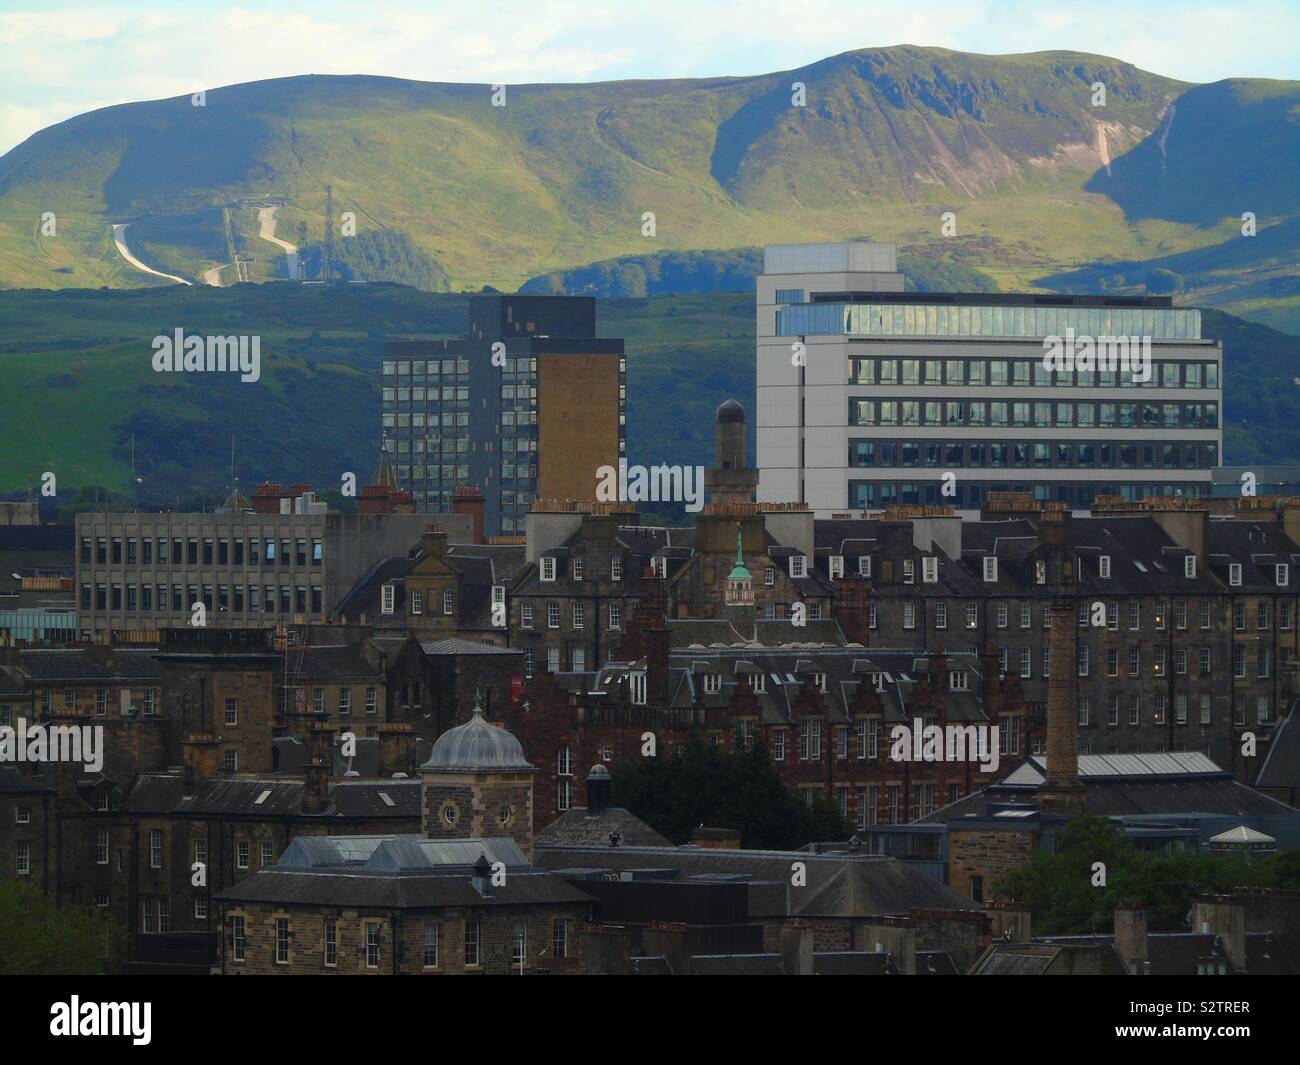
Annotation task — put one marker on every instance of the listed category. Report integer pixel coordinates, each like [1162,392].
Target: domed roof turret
[730,411]
[475,747]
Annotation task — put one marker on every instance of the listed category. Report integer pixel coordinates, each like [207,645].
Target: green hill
[465,193]
[81,363]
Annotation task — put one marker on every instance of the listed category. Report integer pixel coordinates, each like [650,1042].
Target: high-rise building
[533,418]
[869,395]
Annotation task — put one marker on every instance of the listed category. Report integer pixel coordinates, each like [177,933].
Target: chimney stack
[320,747]
[1131,936]
[797,949]
[469,500]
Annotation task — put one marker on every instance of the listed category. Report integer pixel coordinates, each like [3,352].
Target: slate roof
[1200,790]
[59,665]
[333,662]
[1281,768]
[838,885]
[347,798]
[12,783]
[581,826]
[400,891]
[454,645]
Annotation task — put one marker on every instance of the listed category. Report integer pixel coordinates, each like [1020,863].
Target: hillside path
[266,230]
[119,238]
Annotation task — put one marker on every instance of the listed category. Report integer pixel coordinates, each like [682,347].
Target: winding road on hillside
[119,238]
[266,230]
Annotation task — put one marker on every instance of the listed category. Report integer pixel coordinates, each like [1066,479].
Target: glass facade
[426,419]
[999,320]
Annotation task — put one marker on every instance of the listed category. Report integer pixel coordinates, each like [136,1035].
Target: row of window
[1038,414]
[1064,454]
[180,598]
[1078,495]
[205,551]
[1159,707]
[372,941]
[135,699]
[426,367]
[1020,373]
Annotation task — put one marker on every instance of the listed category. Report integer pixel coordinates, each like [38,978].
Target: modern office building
[868,395]
[535,422]
[249,567]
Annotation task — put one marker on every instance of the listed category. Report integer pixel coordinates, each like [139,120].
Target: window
[758,681]
[778,745]
[972,615]
[1085,706]
[526,615]
[241,855]
[238,942]
[769,577]
[345,702]
[268,855]
[577,567]
[417,602]
[1082,660]
[637,688]
[560,938]
[1103,567]
[389,599]
[909,571]
[1189,567]
[331,942]
[518,943]
[1234,573]
[615,616]
[232,711]
[1026,615]
[1003,615]
[101,846]
[836,567]
[864,565]
[430,944]
[991,569]
[1282,574]
[579,615]
[797,564]
[471,942]
[281,941]
[958,680]
[616,568]
[940,615]
[448,601]
[372,945]
[155,848]
[909,615]
[548,568]
[552,615]
[23,856]
[712,683]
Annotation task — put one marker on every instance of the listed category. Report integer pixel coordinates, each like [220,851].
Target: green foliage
[381,255]
[699,784]
[732,270]
[1058,887]
[38,938]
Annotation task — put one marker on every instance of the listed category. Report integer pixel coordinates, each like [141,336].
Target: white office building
[868,395]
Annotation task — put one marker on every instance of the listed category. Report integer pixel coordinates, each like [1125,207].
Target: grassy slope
[81,363]
[561,176]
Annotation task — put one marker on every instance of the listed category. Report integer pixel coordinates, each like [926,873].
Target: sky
[65,57]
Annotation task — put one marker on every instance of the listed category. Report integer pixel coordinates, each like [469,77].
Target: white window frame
[389,600]
[930,569]
[548,568]
[990,569]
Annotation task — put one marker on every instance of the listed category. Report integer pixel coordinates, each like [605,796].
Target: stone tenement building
[824,712]
[1187,630]
[461,897]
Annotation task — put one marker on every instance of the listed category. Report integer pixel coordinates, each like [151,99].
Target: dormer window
[797,563]
[864,565]
[1234,574]
[909,571]
[1040,572]
[929,570]
[819,679]
[1103,567]
[1282,574]
[958,680]
[659,564]
[990,569]
[1189,567]
[548,568]
[712,683]
[837,567]
[498,594]
[636,685]
[389,599]
[758,681]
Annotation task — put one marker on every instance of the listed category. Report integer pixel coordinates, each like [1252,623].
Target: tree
[700,784]
[40,938]
[1064,898]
